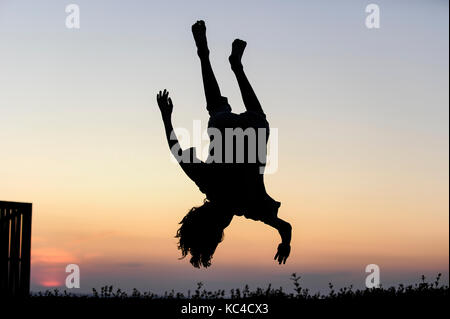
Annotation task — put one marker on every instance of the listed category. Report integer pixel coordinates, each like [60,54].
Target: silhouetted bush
[418,290]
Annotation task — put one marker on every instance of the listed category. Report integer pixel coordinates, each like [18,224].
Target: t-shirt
[231,185]
[239,186]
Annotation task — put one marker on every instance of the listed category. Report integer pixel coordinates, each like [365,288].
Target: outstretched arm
[285,231]
[166,107]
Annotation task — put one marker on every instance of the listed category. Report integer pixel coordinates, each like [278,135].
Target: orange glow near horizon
[49,284]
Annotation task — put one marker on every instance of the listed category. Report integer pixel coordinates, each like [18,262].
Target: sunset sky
[363,133]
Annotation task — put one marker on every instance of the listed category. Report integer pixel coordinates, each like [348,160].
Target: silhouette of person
[233,187]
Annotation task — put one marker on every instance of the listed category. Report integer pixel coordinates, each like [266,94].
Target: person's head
[200,232]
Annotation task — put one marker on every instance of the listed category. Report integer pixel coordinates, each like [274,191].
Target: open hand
[282,253]
[165,103]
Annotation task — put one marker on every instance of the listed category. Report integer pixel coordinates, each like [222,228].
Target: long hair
[200,232]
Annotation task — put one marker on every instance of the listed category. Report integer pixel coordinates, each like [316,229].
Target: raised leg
[212,90]
[248,95]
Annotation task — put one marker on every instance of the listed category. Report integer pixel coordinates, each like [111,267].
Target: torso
[241,185]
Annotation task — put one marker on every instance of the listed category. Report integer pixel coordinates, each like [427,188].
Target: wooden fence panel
[15,248]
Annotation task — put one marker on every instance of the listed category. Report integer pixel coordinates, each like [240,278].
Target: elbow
[287,227]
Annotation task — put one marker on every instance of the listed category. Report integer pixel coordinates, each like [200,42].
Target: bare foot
[199,32]
[237,50]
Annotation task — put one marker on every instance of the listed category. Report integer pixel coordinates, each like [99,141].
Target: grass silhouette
[429,298]
[421,289]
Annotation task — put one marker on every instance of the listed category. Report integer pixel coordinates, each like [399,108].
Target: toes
[239,42]
[239,45]
[195,26]
[199,25]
